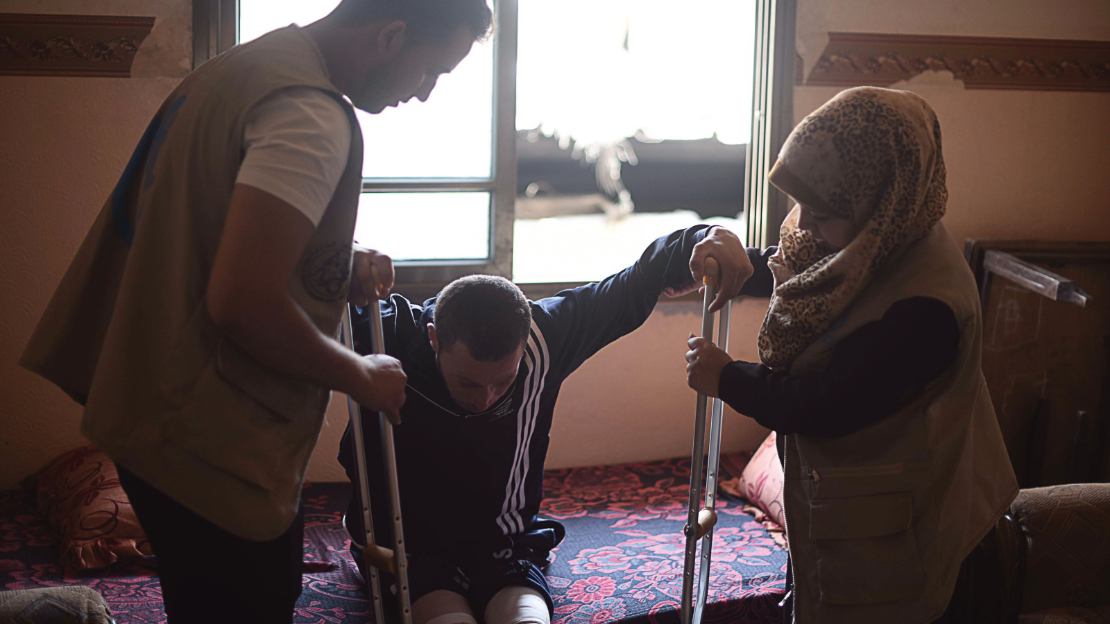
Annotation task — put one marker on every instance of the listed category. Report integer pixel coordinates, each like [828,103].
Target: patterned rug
[621,560]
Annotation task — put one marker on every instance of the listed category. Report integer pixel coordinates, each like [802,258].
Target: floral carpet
[621,560]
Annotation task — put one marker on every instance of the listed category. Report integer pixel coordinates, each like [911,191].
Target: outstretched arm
[591,316]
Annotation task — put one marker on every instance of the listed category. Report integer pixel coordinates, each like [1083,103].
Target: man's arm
[591,316]
[249,301]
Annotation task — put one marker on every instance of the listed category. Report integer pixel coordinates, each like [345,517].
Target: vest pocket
[293,400]
[235,415]
[865,549]
[190,350]
[232,431]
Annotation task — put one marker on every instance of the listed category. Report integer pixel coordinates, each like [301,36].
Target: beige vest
[128,332]
[879,521]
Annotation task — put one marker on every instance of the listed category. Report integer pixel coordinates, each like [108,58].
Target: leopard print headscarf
[872,156]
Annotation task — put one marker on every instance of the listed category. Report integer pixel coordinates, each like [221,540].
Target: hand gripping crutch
[700,521]
[376,557]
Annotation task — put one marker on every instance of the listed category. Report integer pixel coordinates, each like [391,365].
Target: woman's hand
[704,363]
[723,246]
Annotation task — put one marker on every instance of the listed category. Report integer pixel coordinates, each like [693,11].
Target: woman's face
[836,231]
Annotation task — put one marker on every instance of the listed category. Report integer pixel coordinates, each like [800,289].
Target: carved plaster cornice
[70,45]
[856,59]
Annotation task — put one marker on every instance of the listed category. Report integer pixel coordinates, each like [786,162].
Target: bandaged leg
[517,605]
[443,607]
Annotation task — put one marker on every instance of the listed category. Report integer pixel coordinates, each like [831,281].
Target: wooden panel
[858,59]
[1045,361]
[70,45]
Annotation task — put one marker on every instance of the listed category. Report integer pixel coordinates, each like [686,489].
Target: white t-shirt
[297,142]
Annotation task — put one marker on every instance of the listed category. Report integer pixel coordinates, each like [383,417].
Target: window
[631,123]
[564,170]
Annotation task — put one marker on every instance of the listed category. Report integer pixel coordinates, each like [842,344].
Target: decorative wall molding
[70,45]
[856,59]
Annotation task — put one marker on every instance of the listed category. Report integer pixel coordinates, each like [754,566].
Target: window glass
[449,136]
[596,71]
[258,17]
[425,226]
[653,99]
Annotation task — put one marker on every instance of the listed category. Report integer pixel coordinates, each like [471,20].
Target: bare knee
[518,605]
[443,607]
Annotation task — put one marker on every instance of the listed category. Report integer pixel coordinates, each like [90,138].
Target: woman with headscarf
[895,467]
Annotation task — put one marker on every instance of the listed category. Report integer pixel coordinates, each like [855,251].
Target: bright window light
[425,226]
[258,17]
[656,68]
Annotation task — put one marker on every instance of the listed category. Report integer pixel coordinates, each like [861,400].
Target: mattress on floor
[621,560]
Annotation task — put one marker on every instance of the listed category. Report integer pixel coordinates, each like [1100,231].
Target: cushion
[55,604]
[86,508]
[761,481]
[1067,533]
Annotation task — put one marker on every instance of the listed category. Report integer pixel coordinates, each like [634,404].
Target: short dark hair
[487,313]
[426,20]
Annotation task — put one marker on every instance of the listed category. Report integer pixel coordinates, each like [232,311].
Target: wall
[63,143]
[1021,164]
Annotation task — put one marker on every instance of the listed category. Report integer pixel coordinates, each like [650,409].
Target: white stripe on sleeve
[537,363]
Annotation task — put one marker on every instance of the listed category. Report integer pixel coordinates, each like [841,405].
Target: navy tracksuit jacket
[472,484]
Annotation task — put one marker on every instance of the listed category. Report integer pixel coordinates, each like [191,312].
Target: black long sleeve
[762,282]
[589,317]
[873,371]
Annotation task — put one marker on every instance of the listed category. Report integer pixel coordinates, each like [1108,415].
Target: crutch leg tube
[702,519]
[376,557]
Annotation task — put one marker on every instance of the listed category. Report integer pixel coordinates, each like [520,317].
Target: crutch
[377,557]
[700,521]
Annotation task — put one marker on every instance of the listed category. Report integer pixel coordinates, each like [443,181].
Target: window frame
[215,30]
[776,62]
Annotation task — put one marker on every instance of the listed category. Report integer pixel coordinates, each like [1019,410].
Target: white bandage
[443,607]
[518,605]
[454,618]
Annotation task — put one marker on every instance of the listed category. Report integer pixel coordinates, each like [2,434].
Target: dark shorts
[477,570]
[478,579]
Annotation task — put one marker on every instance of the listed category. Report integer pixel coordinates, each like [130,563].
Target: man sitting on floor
[484,369]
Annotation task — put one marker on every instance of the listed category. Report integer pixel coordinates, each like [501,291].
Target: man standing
[484,369]
[197,321]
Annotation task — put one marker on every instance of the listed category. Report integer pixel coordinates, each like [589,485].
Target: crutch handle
[707,519]
[712,276]
[380,557]
[376,277]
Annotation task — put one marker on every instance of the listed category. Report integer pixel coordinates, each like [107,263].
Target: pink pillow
[761,481]
[80,495]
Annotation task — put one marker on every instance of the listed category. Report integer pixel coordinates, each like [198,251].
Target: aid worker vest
[879,521]
[128,332]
